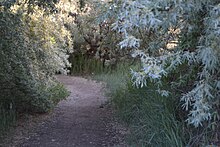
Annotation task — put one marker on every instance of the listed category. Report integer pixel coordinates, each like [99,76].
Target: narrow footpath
[82,120]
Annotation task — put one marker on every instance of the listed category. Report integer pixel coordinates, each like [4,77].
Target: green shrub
[33,47]
[47,98]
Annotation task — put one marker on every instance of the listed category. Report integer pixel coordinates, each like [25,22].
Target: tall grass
[81,64]
[116,79]
[7,119]
[151,118]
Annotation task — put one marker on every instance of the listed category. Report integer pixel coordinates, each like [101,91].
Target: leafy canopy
[166,34]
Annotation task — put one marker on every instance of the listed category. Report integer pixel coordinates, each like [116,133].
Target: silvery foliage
[33,46]
[159,16]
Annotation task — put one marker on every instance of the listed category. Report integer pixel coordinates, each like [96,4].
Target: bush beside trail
[33,49]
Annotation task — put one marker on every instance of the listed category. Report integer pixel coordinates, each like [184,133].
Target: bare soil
[84,119]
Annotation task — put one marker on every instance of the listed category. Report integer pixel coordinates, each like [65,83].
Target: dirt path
[80,121]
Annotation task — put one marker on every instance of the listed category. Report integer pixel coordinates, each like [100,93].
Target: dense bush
[176,42]
[168,34]
[33,47]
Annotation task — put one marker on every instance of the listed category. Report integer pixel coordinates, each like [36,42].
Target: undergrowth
[151,118]
[7,119]
[9,112]
[117,78]
[81,64]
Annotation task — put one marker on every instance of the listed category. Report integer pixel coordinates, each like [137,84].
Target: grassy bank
[151,118]
[154,120]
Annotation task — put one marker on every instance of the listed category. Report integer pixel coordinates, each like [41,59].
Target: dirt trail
[82,120]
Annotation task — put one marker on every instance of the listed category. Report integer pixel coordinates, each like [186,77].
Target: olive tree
[166,34]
